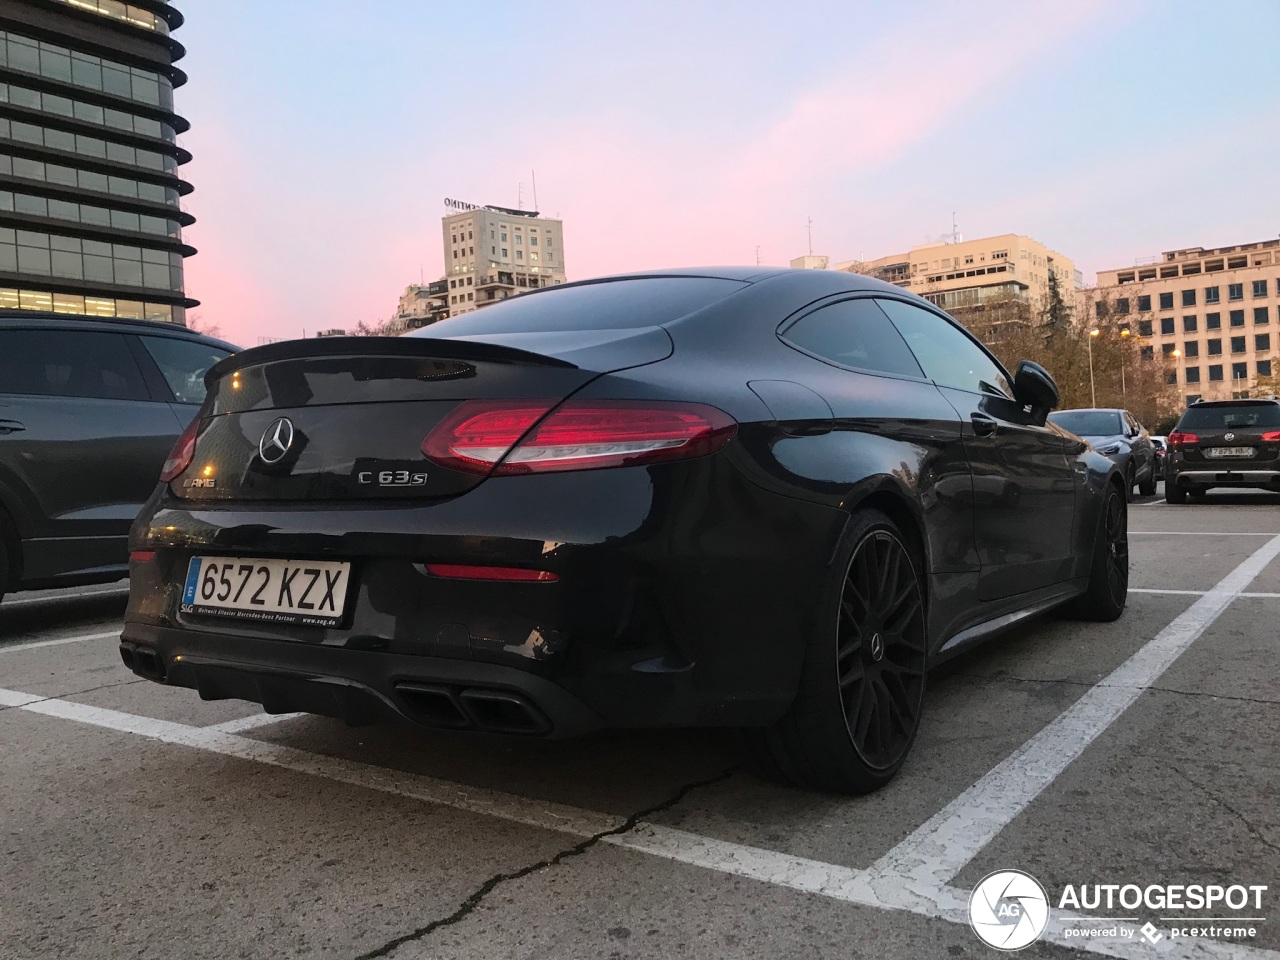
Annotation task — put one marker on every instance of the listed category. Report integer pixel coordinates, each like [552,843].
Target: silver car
[1116,434]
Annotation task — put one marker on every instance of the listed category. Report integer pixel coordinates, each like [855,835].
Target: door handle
[983,425]
[10,426]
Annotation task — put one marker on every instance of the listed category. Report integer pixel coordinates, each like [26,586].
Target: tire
[857,711]
[1104,599]
[1148,487]
[1173,493]
[8,553]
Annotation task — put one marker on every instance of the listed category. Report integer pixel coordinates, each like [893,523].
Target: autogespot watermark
[1009,910]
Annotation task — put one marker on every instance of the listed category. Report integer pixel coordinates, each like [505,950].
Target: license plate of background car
[309,592]
[1218,453]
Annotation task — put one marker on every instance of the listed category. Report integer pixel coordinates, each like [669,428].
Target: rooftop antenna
[811,236]
[757,254]
[955,228]
[534,176]
[519,196]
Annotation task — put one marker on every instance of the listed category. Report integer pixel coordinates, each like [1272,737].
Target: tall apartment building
[1211,312]
[971,273]
[491,253]
[90,221]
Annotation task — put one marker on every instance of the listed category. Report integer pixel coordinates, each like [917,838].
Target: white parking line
[121,593]
[948,840]
[11,648]
[846,884]
[1175,593]
[251,722]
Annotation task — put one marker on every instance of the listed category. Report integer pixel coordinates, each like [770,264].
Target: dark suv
[1224,443]
[89,409]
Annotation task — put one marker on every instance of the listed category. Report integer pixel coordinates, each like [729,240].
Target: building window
[453,284]
[1264,368]
[471,296]
[1166,325]
[1213,321]
[1144,303]
[453,238]
[1237,318]
[504,236]
[82,70]
[493,251]
[1239,371]
[1194,397]
[519,240]
[1261,315]
[1189,324]
[1215,372]
[1210,294]
[1193,374]
[51,255]
[533,241]
[1122,305]
[1214,347]
[455,254]
[1188,298]
[1191,348]
[1167,349]
[1147,353]
[1259,288]
[504,252]
[469,235]
[1235,291]
[1237,344]
[1262,341]
[1144,328]
[1166,301]
[1171,376]
[519,253]
[533,255]
[1100,309]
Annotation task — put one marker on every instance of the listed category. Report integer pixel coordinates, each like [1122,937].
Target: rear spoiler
[379,346]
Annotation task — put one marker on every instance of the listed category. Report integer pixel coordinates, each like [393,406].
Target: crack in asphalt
[1248,824]
[1085,683]
[77,693]
[478,896]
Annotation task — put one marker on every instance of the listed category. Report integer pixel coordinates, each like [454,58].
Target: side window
[854,333]
[69,363]
[183,363]
[947,356]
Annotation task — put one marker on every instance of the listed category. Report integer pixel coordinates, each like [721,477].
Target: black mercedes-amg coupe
[760,498]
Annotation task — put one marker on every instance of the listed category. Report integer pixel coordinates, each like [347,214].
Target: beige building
[420,304]
[971,273]
[1211,312]
[491,253]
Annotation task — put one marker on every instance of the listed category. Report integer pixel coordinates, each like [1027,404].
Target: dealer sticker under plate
[309,592]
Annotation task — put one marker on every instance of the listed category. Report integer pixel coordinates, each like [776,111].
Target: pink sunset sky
[326,136]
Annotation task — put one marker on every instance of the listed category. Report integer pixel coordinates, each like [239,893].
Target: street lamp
[1124,365]
[1092,392]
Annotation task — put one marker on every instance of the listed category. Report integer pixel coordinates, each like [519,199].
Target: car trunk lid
[344,418]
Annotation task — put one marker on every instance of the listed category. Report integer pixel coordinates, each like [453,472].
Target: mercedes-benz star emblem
[877,647]
[276,440]
[1228,436]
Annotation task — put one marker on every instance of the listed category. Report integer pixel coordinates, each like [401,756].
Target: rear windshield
[1226,417]
[611,305]
[1089,423]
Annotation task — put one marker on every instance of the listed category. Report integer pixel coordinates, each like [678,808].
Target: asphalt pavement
[139,821]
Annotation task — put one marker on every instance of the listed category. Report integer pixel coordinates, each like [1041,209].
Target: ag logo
[1008,910]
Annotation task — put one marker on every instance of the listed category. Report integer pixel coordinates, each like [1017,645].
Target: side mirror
[1033,387]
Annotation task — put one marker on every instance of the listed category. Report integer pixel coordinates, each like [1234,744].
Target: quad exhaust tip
[472,708]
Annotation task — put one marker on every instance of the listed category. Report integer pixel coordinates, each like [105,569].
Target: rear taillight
[1271,436]
[184,449]
[1177,439]
[515,437]
[141,556]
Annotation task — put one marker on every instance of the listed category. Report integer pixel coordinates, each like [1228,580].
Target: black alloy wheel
[1115,524]
[1108,590]
[857,709]
[880,653]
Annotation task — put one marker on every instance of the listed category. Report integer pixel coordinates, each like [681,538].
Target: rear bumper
[1226,478]
[674,605]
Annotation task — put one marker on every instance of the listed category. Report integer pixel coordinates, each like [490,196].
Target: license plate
[309,592]
[1218,453]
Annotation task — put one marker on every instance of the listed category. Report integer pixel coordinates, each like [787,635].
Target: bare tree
[196,323]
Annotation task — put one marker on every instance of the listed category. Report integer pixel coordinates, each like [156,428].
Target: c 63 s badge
[389,474]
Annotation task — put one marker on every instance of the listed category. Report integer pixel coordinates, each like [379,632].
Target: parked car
[88,411]
[1223,443]
[1118,435]
[747,497]
[1161,445]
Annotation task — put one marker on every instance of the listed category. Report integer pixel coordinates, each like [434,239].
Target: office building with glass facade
[90,214]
